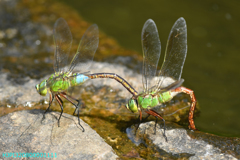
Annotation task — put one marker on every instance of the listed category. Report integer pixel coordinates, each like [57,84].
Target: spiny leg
[60,102]
[157,115]
[63,94]
[192,107]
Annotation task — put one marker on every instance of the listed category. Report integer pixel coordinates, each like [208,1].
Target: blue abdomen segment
[81,78]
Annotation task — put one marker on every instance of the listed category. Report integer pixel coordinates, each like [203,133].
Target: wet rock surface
[181,143]
[29,132]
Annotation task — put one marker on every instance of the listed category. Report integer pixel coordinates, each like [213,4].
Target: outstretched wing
[63,41]
[87,47]
[175,54]
[151,47]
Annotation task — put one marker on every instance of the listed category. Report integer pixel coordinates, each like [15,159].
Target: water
[212,64]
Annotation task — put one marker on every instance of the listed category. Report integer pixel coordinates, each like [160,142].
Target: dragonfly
[74,74]
[167,84]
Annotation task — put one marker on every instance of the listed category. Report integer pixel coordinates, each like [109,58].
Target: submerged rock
[29,132]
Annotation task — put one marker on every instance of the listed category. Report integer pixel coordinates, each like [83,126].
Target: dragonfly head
[132,105]
[42,88]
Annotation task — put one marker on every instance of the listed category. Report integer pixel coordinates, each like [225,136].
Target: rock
[179,144]
[29,132]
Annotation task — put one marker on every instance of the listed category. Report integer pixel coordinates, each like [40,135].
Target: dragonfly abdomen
[117,78]
[78,79]
[165,97]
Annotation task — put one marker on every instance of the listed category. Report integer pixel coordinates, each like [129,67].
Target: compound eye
[133,105]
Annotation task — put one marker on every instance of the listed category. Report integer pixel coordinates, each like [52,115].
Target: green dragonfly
[76,73]
[167,84]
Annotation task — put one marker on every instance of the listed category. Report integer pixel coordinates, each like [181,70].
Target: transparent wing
[171,86]
[86,50]
[63,41]
[175,54]
[151,47]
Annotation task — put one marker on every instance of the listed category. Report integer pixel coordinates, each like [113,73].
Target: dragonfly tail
[117,78]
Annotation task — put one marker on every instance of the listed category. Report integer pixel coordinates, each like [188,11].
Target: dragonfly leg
[140,119]
[67,97]
[157,115]
[60,102]
[192,107]
[51,98]
[63,94]
[79,102]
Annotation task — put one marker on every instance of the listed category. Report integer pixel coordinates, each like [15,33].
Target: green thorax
[62,82]
[152,99]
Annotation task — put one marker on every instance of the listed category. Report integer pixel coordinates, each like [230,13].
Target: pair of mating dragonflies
[155,90]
